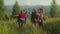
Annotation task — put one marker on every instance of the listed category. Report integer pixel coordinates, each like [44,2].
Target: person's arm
[15,15]
[26,12]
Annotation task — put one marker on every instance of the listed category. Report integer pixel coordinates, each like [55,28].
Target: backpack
[41,16]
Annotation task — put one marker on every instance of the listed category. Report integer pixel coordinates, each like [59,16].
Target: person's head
[22,11]
[34,10]
[40,10]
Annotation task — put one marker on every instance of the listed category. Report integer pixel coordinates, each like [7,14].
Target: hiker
[21,20]
[34,19]
[40,18]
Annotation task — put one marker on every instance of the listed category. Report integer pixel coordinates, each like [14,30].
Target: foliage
[11,27]
[8,16]
[16,9]
[2,10]
[54,10]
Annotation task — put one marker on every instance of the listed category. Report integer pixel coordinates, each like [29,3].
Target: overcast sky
[30,2]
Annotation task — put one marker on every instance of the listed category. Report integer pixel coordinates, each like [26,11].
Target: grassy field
[52,25]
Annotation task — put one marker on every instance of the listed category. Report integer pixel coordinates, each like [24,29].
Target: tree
[54,10]
[2,10]
[16,9]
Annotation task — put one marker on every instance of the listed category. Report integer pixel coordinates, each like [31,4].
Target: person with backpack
[41,18]
[34,19]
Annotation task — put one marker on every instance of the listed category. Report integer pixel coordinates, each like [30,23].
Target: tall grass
[53,25]
[11,27]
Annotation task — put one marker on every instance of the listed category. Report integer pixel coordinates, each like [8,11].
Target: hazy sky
[30,2]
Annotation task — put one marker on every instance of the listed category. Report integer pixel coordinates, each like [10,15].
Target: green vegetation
[54,9]
[53,25]
[16,9]
[8,25]
[11,27]
[2,10]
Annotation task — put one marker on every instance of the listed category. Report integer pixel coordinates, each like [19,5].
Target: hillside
[46,8]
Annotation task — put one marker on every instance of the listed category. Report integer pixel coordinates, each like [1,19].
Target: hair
[34,10]
[21,11]
[40,9]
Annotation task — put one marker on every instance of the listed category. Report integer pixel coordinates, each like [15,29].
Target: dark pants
[40,24]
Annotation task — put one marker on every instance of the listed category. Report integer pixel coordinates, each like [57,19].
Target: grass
[53,25]
[11,27]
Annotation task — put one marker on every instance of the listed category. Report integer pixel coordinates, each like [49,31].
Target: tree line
[17,10]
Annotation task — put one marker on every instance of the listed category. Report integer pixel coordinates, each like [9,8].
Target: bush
[8,17]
